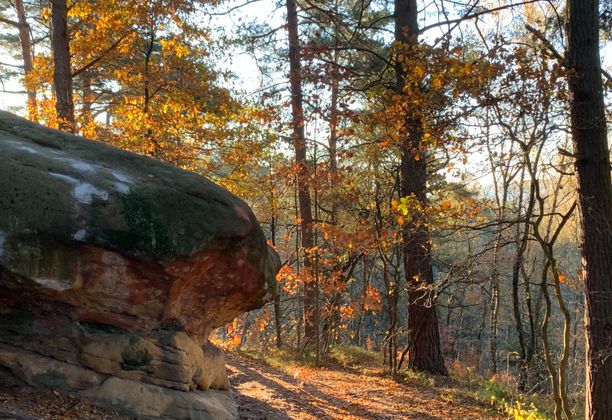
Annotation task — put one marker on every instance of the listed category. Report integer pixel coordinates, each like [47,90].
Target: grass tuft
[352,356]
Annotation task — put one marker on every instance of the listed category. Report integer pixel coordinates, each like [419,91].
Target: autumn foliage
[472,105]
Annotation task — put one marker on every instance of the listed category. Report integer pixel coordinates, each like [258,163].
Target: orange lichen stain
[211,288]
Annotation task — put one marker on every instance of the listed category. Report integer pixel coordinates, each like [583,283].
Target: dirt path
[265,393]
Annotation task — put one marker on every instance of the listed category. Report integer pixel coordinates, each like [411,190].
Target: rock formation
[115,269]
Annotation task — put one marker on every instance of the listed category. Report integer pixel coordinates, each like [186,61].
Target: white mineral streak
[51,284]
[83,192]
[121,187]
[79,235]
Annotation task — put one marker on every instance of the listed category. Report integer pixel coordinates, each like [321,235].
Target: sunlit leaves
[372,300]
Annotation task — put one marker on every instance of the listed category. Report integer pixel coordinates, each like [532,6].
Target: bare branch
[9,22]
[475,15]
[539,35]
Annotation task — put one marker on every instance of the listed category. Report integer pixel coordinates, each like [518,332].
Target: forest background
[416,177]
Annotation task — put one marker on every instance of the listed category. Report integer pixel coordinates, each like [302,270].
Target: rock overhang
[64,191]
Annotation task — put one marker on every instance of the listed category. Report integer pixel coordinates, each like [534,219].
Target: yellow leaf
[446,204]
[418,72]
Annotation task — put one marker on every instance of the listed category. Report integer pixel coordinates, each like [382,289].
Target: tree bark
[521,241]
[26,52]
[494,304]
[87,101]
[278,315]
[152,146]
[392,291]
[62,80]
[303,175]
[595,197]
[424,352]
[333,125]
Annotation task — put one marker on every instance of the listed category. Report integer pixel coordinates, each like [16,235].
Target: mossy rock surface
[60,192]
[68,189]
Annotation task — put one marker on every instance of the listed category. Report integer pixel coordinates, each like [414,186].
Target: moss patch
[136,357]
[51,379]
[97,328]
[18,320]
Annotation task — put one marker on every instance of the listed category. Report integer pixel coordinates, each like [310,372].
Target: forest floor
[272,385]
[19,402]
[267,387]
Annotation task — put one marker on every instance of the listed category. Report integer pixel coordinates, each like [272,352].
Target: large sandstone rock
[120,266]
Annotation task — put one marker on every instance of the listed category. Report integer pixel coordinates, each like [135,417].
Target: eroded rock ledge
[114,270]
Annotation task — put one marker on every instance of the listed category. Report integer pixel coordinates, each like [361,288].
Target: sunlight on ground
[278,383]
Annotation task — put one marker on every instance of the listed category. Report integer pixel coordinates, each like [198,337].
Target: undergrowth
[287,360]
[498,392]
[283,360]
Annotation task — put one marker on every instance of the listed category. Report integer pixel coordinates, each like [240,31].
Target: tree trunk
[595,198]
[303,184]
[494,318]
[151,144]
[87,102]
[62,79]
[333,126]
[521,239]
[392,289]
[332,179]
[424,339]
[278,315]
[317,305]
[26,52]
[494,304]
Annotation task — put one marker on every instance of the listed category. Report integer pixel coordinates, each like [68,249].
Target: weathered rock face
[115,267]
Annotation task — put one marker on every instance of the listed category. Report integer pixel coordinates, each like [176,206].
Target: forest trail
[263,392]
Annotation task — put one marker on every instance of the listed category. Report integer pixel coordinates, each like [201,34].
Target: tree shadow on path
[275,395]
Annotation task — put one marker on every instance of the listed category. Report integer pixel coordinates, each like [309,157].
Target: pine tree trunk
[595,198]
[87,101]
[299,143]
[152,146]
[333,319]
[26,52]
[62,79]
[424,339]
